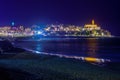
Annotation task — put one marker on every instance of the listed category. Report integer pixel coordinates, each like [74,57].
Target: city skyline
[77,12]
[89,30]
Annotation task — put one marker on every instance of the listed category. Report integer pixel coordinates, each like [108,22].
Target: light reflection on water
[88,59]
[91,50]
[92,46]
[38,47]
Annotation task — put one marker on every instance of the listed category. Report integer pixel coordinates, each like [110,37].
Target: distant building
[92,26]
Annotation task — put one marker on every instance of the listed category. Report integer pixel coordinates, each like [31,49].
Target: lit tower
[13,23]
[93,22]
[91,26]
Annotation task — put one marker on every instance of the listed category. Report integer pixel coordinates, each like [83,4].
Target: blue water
[106,48]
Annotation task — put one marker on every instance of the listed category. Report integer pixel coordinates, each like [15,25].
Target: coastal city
[88,30]
[59,40]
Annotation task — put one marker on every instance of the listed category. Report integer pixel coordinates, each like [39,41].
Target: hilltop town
[88,30]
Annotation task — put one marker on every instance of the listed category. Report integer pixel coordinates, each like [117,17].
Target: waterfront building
[92,26]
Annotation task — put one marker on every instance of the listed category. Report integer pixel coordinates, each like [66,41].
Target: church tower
[91,26]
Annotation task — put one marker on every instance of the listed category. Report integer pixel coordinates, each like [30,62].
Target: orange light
[90,59]
[93,22]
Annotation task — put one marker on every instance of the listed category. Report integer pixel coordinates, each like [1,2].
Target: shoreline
[48,66]
[52,67]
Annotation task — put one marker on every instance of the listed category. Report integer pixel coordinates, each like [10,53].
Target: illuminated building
[92,26]
[21,28]
[89,30]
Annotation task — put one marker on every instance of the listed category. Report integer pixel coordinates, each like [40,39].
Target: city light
[88,30]
[13,23]
[39,32]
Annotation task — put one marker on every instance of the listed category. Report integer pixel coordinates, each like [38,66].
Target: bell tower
[93,22]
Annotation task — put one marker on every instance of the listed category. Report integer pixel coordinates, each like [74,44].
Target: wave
[88,59]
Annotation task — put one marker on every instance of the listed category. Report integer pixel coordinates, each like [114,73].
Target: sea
[101,48]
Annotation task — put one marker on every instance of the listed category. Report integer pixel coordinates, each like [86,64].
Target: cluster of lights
[56,30]
[71,30]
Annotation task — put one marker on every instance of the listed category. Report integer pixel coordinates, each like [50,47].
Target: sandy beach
[30,66]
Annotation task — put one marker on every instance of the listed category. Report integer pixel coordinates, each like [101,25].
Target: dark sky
[27,12]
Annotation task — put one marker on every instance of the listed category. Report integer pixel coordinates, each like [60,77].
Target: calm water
[106,48]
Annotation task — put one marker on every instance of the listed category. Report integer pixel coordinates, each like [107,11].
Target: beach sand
[30,66]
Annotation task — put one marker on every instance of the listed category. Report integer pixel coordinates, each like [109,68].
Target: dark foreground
[29,66]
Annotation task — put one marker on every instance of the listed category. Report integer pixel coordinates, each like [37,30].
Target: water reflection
[92,47]
[92,51]
[88,59]
[86,50]
[38,47]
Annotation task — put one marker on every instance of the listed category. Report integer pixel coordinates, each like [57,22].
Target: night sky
[78,12]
